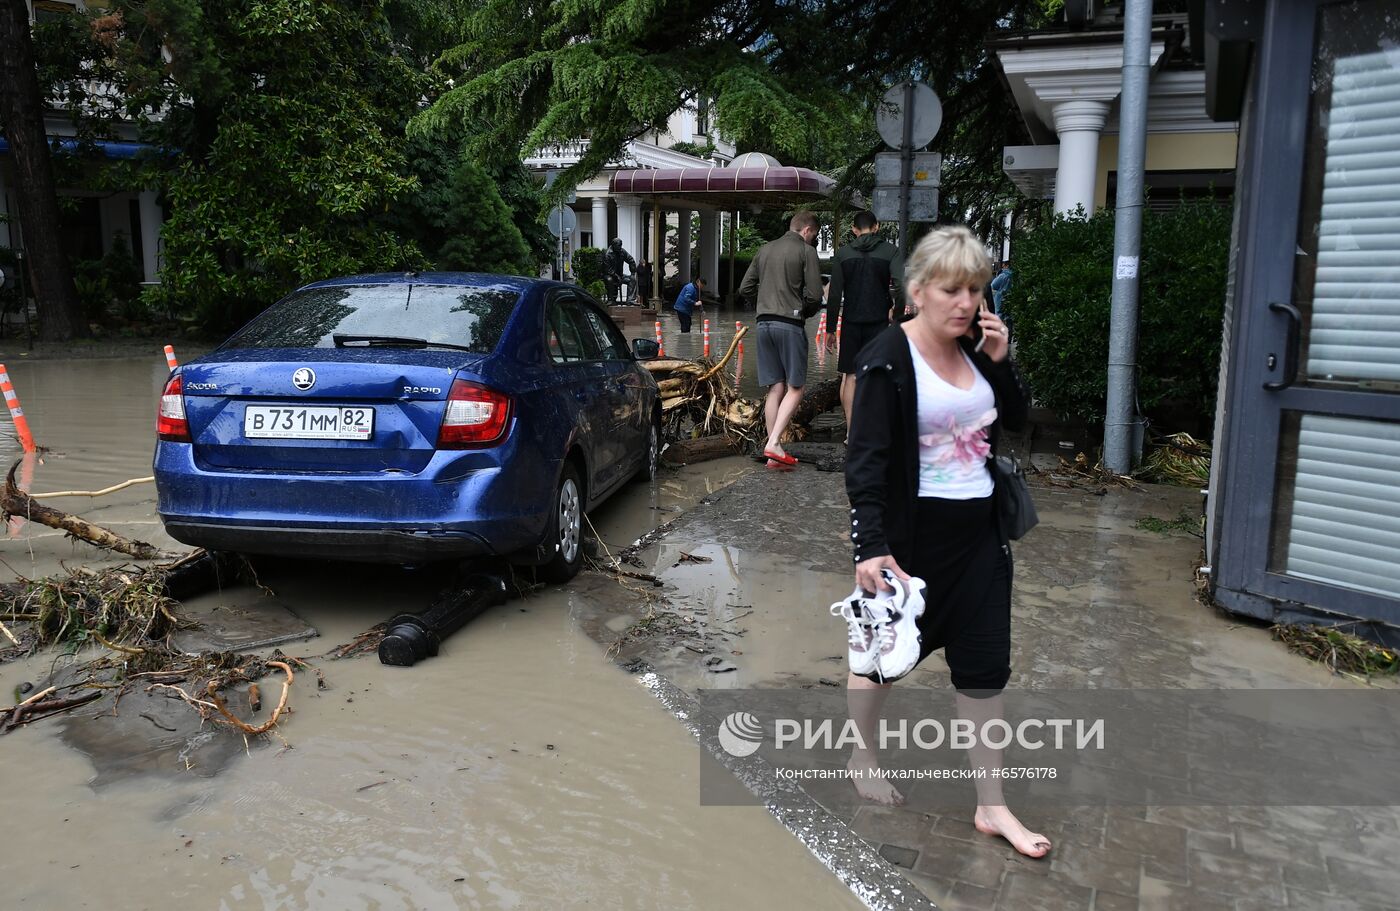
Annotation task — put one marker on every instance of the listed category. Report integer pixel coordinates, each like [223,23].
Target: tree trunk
[22,115]
[688,452]
[818,399]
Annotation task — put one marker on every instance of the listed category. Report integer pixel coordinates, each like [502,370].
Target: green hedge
[1060,301]
[588,265]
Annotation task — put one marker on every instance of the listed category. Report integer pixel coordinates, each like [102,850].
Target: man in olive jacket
[786,280]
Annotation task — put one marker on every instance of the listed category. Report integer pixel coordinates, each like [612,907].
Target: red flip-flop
[775,465]
[783,459]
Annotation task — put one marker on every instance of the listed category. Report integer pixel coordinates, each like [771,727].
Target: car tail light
[476,416]
[170,420]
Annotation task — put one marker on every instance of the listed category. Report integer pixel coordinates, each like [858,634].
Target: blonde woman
[931,396]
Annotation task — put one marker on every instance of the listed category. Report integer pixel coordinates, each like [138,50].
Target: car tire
[564,539]
[651,463]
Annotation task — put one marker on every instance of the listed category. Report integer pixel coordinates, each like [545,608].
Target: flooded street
[524,768]
[519,769]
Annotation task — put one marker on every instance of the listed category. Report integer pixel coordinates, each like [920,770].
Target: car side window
[568,334]
[610,341]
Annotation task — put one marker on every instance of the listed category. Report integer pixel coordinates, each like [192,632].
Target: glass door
[1319,388]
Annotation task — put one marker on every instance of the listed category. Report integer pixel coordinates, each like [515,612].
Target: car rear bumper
[359,545]
[467,504]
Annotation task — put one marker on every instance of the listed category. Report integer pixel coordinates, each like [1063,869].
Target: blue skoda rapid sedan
[408,418]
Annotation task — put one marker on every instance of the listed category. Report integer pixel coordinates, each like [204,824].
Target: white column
[683,244]
[1079,124]
[629,224]
[600,222]
[151,219]
[709,249]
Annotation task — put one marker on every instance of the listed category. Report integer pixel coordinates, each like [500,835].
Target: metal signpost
[906,183]
[562,223]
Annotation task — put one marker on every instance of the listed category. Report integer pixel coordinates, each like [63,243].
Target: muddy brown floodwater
[519,769]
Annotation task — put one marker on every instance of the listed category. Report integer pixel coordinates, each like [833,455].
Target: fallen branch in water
[15,502]
[18,709]
[91,493]
[40,706]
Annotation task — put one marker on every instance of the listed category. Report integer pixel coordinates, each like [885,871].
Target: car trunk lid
[357,410]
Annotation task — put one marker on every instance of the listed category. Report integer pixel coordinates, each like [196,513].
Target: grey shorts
[782,354]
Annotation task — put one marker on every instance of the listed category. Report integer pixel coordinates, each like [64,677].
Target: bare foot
[1001,821]
[870,784]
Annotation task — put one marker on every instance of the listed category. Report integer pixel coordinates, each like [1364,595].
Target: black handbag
[1015,508]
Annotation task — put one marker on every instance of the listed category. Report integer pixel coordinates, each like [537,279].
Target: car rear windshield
[473,318]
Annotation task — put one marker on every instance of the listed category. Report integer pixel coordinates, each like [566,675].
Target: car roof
[465,279]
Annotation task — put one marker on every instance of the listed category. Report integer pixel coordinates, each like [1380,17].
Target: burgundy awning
[725,187]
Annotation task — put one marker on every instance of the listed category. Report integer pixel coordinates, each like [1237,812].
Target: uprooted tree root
[127,612]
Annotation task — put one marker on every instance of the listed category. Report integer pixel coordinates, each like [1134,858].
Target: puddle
[518,769]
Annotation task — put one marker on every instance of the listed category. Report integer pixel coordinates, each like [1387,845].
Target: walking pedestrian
[1000,285]
[928,409]
[687,300]
[786,280]
[861,280]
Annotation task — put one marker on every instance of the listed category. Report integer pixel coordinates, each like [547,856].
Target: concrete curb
[875,881]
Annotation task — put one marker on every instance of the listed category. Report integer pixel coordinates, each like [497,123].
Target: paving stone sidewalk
[1098,603]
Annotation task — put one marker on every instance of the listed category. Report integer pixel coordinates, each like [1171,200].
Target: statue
[613,277]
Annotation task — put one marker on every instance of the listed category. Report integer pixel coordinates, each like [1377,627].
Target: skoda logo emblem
[304,378]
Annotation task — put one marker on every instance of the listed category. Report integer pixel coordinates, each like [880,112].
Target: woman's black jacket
[882,458]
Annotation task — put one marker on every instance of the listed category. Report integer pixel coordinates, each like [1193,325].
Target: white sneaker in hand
[860,635]
[896,629]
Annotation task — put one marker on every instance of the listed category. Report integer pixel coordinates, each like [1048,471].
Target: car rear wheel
[565,535]
[652,463]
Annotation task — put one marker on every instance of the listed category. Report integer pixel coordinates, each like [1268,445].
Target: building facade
[1066,84]
[602,215]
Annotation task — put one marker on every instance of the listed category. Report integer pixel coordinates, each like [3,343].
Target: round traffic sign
[561,221]
[928,115]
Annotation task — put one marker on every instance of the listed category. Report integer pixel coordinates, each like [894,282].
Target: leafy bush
[597,289]
[110,283]
[588,267]
[1061,296]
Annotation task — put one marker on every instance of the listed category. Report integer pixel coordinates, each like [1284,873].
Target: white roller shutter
[1345,527]
[1355,325]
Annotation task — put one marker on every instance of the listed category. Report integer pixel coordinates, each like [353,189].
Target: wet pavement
[523,769]
[1098,603]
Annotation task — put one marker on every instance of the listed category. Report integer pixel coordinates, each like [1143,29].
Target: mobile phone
[977,332]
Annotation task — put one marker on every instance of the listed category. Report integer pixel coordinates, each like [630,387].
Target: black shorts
[855,336]
[967,607]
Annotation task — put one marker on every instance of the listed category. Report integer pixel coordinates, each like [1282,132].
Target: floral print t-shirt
[953,425]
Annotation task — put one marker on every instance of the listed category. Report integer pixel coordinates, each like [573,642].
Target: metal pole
[906,166]
[1120,420]
[733,256]
[560,263]
[24,302]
